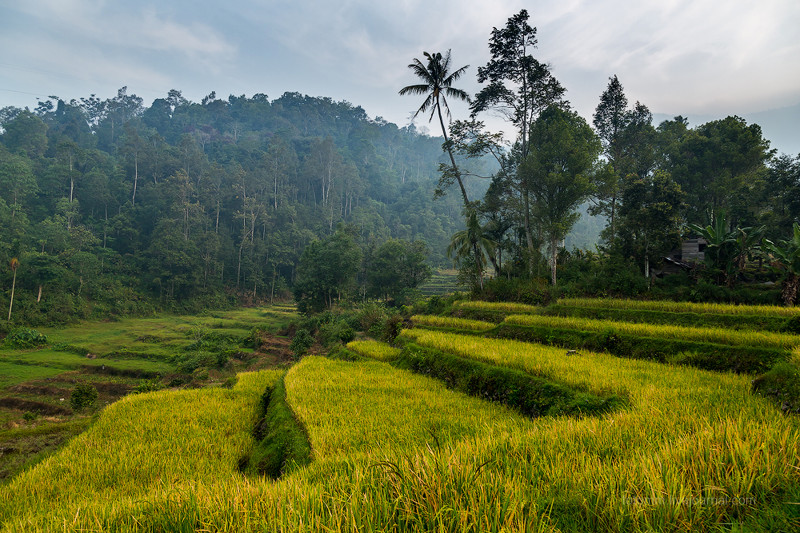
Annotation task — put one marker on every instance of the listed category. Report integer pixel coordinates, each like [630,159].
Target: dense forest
[130,207]
[111,207]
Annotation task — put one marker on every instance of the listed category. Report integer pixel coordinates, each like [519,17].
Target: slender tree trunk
[553,259]
[13,286]
[457,173]
[450,153]
[528,234]
[135,177]
[272,290]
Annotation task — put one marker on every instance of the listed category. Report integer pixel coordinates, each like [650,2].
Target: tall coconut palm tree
[437,85]
[14,265]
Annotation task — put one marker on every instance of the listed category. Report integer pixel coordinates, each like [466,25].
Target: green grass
[381,410]
[27,446]
[761,322]
[12,374]
[142,444]
[48,358]
[498,307]
[396,451]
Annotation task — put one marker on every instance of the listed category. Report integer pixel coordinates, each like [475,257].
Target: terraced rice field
[392,450]
[115,358]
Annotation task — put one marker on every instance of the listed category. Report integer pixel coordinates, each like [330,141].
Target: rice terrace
[509,294]
[457,427]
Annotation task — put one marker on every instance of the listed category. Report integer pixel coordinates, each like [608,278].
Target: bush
[336,332]
[83,396]
[528,291]
[301,342]
[149,385]
[782,385]
[391,329]
[25,338]
[792,325]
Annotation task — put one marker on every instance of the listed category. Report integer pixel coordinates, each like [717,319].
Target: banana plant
[469,241]
[787,257]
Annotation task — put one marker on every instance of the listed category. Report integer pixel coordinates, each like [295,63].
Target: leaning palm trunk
[791,287]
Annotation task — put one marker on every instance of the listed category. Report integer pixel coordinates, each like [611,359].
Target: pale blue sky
[676,56]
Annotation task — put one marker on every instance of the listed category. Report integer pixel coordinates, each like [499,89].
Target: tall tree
[563,151]
[519,87]
[628,139]
[437,85]
[651,216]
[719,165]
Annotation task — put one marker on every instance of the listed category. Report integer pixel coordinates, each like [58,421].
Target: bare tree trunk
[135,177]
[13,286]
[272,291]
[528,234]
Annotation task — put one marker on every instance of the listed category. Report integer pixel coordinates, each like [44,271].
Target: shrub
[792,325]
[83,396]
[529,291]
[147,386]
[782,385]
[301,342]
[336,332]
[25,338]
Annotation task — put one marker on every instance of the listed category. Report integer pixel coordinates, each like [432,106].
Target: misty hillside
[115,201]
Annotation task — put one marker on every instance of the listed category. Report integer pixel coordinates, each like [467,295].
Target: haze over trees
[119,208]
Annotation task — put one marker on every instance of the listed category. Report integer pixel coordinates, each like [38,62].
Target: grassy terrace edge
[708,356]
[531,396]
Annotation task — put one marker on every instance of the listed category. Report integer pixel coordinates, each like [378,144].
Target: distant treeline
[115,207]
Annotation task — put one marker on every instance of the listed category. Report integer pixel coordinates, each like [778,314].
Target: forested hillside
[122,206]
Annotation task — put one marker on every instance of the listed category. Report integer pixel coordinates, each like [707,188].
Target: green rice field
[395,450]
